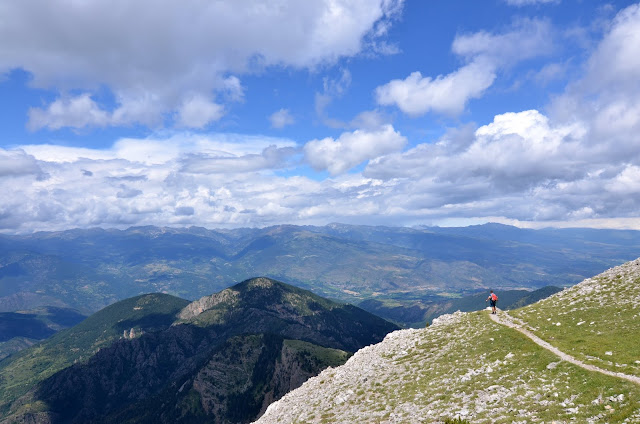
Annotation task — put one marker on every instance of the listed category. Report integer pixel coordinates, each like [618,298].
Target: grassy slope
[472,367]
[599,320]
[325,356]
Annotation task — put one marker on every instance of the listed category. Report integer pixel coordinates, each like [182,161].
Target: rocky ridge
[468,366]
[195,308]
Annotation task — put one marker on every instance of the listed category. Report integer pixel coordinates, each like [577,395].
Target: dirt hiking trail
[503,318]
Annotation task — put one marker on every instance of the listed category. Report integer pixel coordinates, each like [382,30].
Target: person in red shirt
[493,299]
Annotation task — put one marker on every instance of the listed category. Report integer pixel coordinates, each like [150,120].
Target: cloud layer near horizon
[576,161]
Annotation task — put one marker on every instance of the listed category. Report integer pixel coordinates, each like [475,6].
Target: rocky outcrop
[228,297]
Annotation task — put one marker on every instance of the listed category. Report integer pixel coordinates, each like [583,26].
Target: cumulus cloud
[485,54]
[417,95]
[352,148]
[578,164]
[185,211]
[127,193]
[139,181]
[281,118]
[514,152]
[160,150]
[74,47]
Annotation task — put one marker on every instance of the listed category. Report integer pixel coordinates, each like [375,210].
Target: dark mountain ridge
[222,358]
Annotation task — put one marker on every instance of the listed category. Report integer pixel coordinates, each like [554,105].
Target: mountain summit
[586,368]
[223,358]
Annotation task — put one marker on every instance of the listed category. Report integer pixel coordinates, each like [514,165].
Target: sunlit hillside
[471,367]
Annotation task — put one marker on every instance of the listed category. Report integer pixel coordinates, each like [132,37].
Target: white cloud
[74,112]
[615,61]
[449,94]
[485,54]
[522,166]
[82,111]
[271,157]
[148,63]
[281,118]
[526,39]
[160,151]
[233,89]
[352,148]
[607,99]
[514,152]
[198,112]
[17,163]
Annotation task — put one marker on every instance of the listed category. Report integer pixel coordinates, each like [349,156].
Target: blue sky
[255,113]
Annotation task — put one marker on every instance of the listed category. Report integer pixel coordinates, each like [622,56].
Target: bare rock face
[228,296]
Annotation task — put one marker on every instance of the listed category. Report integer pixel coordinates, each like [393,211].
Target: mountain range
[158,358]
[90,269]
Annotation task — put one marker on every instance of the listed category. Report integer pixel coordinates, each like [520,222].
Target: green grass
[601,328]
[476,370]
[325,356]
[525,373]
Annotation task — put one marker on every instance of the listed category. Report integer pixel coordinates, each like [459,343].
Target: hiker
[493,299]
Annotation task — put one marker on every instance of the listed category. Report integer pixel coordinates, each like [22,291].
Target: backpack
[494,297]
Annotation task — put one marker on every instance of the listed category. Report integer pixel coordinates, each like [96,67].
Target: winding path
[504,319]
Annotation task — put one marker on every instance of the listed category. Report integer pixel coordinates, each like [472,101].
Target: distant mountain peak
[257,292]
[261,282]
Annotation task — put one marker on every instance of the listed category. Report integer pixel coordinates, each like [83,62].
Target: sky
[249,113]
